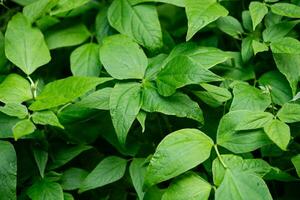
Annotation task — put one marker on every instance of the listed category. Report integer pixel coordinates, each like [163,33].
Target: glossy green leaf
[137,170]
[38,8]
[286,45]
[178,104]
[286,9]
[72,88]
[6,124]
[257,11]
[46,118]
[201,13]
[24,45]
[123,58]
[279,133]
[188,186]
[259,47]
[246,97]
[66,36]
[140,22]
[109,170]
[289,113]
[67,5]
[45,190]
[182,71]
[41,159]
[125,104]
[255,120]
[14,110]
[230,26]
[296,162]
[177,153]
[72,178]
[278,30]
[85,61]
[8,171]
[247,50]
[23,128]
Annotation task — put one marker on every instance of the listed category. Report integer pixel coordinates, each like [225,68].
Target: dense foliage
[149,99]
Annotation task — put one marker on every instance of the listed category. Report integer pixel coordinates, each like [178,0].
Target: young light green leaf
[182,71]
[286,9]
[123,58]
[85,60]
[188,186]
[15,89]
[254,120]
[45,190]
[22,128]
[41,159]
[289,65]
[257,11]
[286,45]
[109,170]
[246,97]
[279,133]
[259,47]
[201,13]
[239,142]
[280,89]
[238,185]
[38,8]
[73,178]
[179,3]
[230,26]
[289,113]
[66,36]
[137,170]
[67,5]
[177,153]
[72,88]
[8,172]
[278,30]
[125,104]
[24,45]
[177,104]
[15,110]
[46,118]
[140,22]
[296,162]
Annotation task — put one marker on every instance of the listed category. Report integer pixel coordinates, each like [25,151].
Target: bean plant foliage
[149,99]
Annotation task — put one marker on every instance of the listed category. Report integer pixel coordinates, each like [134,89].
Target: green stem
[32,87]
[219,156]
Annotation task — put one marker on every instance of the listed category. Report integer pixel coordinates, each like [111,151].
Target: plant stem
[32,87]
[220,157]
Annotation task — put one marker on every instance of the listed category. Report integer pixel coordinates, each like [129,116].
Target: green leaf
[237,141]
[179,3]
[15,89]
[137,170]
[72,88]
[255,120]
[8,172]
[45,190]
[68,196]
[247,21]
[259,47]
[286,45]
[6,124]
[246,97]
[41,159]
[125,104]
[15,110]
[280,88]
[67,5]
[63,154]
[230,26]
[141,117]
[296,162]
[188,186]
[177,153]
[102,27]
[279,133]
[247,50]
[239,185]
[289,113]
[73,178]
[289,65]
[3,59]
[23,128]
[177,104]
[182,71]
[46,118]
[286,9]
[257,11]
[109,170]
[278,30]
[123,58]
[201,13]
[85,60]
[140,22]
[24,45]
[66,36]
[38,8]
